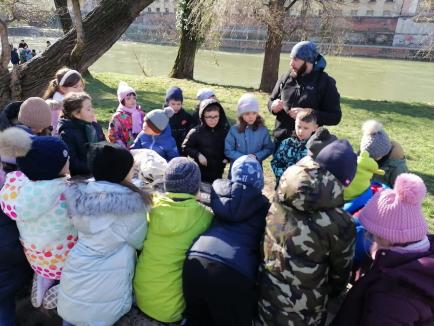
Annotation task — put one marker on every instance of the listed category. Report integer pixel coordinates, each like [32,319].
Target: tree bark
[63,14]
[78,23]
[273,46]
[103,26]
[5,56]
[183,67]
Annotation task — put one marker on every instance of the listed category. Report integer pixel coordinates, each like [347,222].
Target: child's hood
[308,187]
[174,214]
[94,206]
[37,198]
[236,202]
[223,121]
[366,163]
[67,124]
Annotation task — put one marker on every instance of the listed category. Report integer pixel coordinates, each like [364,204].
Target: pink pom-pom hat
[396,214]
[123,90]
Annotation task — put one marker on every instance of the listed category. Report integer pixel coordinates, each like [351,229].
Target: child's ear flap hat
[396,214]
[375,139]
[38,157]
[124,90]
[109,162]
[247,170]
[204,93]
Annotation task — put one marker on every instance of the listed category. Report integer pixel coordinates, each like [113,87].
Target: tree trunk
[184,62]
[77,51]
[273,47]
[5,56]
[103,26]
[63,14]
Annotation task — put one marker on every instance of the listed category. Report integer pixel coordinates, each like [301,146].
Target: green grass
[408,123]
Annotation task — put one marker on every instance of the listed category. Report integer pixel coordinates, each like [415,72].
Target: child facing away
[388,153]
[206,143]
[126,122]
[249,136]
[398,289]
[225,259]
[309,240]
[202,94]
[149,168]
[181,122]
[33,115]
[293,149]
[77,129]
[34,197]
[156,134]
[65,81]
[110,217]
[175,220]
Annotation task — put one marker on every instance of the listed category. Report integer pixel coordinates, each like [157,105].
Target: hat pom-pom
[410,188]
[169,111]
[15,142]
[371,127]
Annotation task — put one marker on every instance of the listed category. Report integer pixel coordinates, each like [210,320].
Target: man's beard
[299,72]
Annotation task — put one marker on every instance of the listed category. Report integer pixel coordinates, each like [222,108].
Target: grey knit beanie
[159,118]
[247,103]
[182,176]
[375,140]
[320,139]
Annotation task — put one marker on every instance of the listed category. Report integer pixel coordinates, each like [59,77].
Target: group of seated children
[138,229]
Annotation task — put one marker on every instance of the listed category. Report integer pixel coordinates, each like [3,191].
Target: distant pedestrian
[48,44]
[15,58]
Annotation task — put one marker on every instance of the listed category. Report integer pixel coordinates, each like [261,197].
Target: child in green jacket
[175,220]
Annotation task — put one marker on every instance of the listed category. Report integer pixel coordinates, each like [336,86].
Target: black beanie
[109,162]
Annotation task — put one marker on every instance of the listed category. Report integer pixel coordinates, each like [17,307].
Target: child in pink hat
[126,122]
[399,287]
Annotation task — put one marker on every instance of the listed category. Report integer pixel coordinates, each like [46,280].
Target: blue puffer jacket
[15,271]
[237,229]
[250,141]
[96,284]
[164,144]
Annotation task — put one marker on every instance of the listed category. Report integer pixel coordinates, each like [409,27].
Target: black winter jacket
[74,135]
[210,142]
[316,90]
[180,123]
[15,271]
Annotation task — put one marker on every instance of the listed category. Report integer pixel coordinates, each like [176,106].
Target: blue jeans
[65,323]
[7,311]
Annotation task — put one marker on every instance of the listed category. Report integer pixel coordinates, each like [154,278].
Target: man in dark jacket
[305,86]
[206,143]
[15,58]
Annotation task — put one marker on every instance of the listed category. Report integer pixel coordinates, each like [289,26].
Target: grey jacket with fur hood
[96,283]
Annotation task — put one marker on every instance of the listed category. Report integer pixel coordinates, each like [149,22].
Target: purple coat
[397,290]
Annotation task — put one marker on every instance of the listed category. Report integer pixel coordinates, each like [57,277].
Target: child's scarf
[89,129]
[135,116]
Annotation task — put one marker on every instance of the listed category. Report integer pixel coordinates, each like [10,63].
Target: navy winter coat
[74,135]
[237,229]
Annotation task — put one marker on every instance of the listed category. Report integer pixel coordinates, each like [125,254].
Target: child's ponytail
[146,197]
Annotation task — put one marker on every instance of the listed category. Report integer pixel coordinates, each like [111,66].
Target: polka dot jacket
[46,231]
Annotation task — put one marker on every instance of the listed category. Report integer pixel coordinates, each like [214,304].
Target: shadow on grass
[429,181]
[419,110]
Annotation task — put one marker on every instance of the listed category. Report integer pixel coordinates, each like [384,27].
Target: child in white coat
[110,217]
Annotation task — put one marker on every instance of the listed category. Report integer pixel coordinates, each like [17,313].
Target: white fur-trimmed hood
[103,198]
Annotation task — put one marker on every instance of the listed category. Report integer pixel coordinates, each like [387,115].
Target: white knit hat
[247,103]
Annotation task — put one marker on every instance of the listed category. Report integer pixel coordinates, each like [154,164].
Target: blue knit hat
[182,176]
[307,51]
[174,93]
[340,160]
[247,170]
